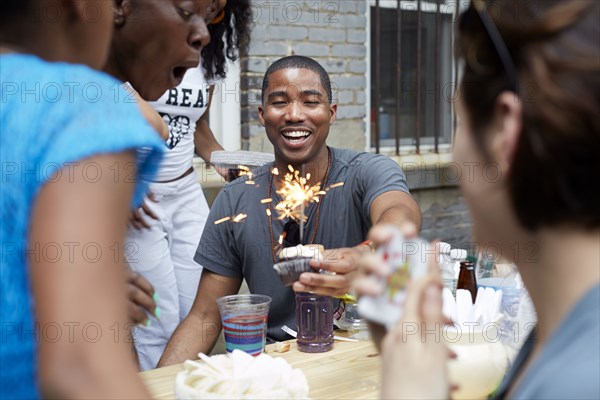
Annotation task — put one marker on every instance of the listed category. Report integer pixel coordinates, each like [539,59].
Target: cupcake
[296,260]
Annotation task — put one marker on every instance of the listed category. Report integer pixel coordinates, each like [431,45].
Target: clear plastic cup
[351,322]
[244,318]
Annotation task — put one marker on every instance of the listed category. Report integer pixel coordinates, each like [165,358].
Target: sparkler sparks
[240,217]
[237,218]
[245,171]
[296,195]
[220,221]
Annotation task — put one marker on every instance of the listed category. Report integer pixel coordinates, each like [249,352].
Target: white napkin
[239,375]
[462,310]
[449,305]
[247,158]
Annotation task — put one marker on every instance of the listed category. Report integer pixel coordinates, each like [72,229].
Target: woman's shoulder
[569,364]
[50,78]
[58,98]
[54,113]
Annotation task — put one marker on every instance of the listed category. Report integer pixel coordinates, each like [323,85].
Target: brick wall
[333,33]
[444,215]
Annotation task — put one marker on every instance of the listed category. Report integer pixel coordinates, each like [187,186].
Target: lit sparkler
[297,194]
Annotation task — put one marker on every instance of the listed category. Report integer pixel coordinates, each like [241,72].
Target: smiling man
[297,112]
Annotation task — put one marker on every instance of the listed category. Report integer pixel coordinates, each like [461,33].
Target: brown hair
[554,45]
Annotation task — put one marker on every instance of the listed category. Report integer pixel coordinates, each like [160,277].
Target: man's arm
[199,331]
[396,208]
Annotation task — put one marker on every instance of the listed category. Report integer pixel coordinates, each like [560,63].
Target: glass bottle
[314,320]
[466,278]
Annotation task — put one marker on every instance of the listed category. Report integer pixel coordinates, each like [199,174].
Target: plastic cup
[244,318]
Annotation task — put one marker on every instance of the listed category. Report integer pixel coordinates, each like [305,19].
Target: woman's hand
[372,272]
[414,354]
[140,298]
[135,218]
[371,265]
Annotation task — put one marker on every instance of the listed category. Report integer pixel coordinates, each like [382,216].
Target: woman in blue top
[68,138]
[528,106]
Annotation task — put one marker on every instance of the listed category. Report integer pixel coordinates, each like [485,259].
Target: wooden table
[349,371]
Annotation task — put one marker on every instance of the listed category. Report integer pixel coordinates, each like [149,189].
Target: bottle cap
[467,265]
[444,247]
[458,254]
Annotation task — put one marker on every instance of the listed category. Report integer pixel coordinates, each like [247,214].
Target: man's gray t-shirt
[244,249]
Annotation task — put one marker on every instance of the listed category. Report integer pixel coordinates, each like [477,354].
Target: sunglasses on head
[477,9]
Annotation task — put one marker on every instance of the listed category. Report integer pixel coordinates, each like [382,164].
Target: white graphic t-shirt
[180,108]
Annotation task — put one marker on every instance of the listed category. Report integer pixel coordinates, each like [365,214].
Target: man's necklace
[317,213]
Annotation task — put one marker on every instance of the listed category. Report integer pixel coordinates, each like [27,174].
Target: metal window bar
[419,55]
[398,75]
[377,73]
[455,69]
[437,91]
[399,84]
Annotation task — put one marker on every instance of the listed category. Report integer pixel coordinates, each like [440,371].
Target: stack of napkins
[249,159]
[238,375]
[304,251]
[462,310]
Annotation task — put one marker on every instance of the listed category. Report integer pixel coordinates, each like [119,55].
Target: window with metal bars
[412,75]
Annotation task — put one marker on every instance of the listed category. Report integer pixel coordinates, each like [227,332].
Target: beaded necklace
[317,213]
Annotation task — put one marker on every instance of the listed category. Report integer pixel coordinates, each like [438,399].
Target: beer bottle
[466,278]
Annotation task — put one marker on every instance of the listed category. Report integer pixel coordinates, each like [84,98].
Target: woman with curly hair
[165,231]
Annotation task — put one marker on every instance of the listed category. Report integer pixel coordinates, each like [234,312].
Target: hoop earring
[218,18]
[119,20]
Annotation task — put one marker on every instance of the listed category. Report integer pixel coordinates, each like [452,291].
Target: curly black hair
[229,38]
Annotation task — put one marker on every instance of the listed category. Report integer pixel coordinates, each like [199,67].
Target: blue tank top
[51,115]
